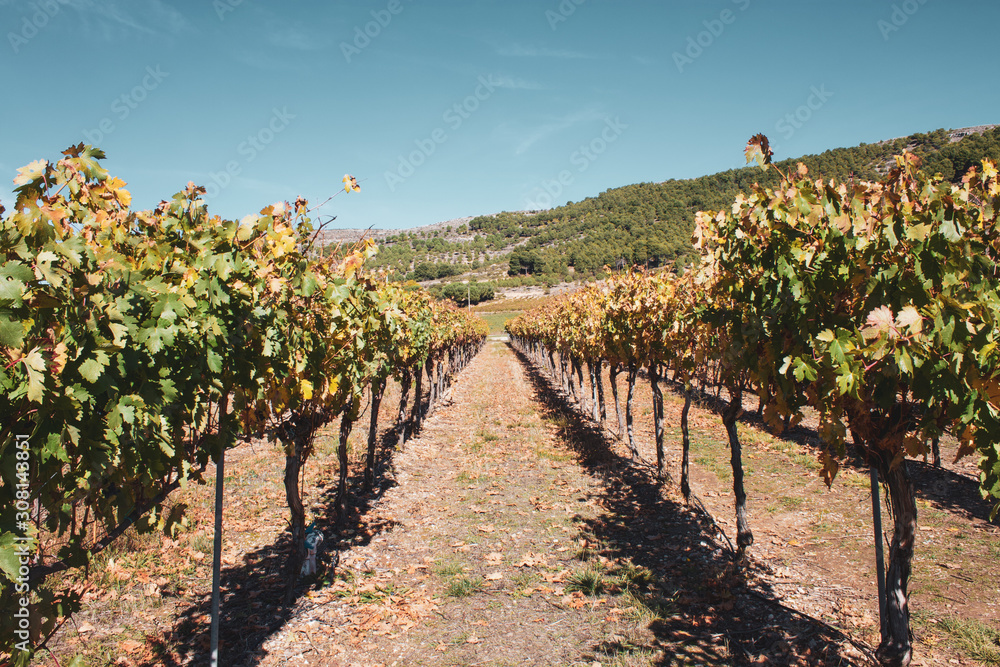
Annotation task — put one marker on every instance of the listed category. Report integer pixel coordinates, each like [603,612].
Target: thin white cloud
[521,51]
[525,140]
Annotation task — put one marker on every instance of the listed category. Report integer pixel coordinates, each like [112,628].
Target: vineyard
[141,346]
[872,304]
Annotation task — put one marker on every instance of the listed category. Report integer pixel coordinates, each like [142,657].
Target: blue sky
[448,108]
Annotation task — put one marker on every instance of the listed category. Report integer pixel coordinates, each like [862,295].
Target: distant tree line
[471,293]
[646,224]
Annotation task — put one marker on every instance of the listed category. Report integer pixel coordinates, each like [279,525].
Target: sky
[450,108]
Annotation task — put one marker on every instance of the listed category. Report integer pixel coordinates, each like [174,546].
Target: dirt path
[485,537]
[518,536]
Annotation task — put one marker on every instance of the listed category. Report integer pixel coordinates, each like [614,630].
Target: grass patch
[202,542]
[549,454]
[791,503]
[487,436]
[721,469]
[807,461]
[558,421]
[523,580]
[496,320]
[976,639]
[512,306]
[463,587]
[628,655]
[375,594]
[646,608]
[634,578]
[589,582]
[855,479]
[448,569]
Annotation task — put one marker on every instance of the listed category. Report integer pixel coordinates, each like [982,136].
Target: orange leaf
[758,150]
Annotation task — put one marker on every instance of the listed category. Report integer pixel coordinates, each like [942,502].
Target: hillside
[643,224]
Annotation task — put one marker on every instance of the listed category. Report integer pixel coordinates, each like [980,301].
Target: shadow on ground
[709,609]
[949,491]
[253,593]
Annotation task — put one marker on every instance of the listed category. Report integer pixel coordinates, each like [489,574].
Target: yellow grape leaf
[30,172]
[117,187]
[910,317]
[880,320]
[351,183]
[306,387]
[34,364]
[60,355]
[351,265]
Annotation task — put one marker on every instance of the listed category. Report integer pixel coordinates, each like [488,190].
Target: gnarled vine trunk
[404,390]
[346,423]
[442,380]
[654,383]
[431,387]
[377,391]
[595,409]
[685,445]
[613,379]
[416,415]
[296,436]
[600,389]
[633,370]
[744,536]
[896,648]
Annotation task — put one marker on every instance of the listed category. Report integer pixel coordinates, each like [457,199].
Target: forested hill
[648,223]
